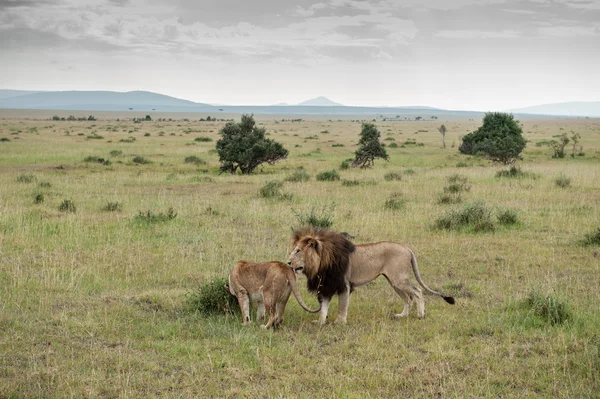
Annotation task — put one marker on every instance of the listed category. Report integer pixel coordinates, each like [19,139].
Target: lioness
[268,283]
[334,265]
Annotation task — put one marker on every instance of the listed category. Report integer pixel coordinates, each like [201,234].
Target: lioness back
[252,276]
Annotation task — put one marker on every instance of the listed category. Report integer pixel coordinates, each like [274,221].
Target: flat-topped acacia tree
[243,146]
[369,147]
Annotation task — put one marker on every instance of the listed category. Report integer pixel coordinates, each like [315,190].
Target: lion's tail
[413,261]
[292,281]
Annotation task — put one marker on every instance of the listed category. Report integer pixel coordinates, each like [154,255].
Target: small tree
[500,139]
[442,130]
[244,146]
[559,146]
[575,137]
[369,147]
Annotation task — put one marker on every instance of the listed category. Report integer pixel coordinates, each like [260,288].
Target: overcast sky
[455,54]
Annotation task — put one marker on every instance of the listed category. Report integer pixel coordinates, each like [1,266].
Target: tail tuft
[449,299]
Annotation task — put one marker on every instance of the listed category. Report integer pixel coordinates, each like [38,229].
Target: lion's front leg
[324,310]
[344,301]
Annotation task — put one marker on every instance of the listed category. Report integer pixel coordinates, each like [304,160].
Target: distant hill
[14,93]
[101,101]
[320,102]
[591,109]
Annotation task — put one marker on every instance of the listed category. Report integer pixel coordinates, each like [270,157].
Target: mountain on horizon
[321,102]
[96,101]
[574,108]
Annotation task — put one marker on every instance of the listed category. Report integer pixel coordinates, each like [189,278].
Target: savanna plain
[106,232]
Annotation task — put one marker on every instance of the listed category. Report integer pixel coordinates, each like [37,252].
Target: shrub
[116,153]
[203,139]
[272,190]
[507,217]
[194,160]
[462,165]
[213,298]
[513,171]
[558,146]
[92,158]
[337,145]
[318,219]
[127,140]
[4,139]
[330,175]
[140,160]
[151,217]
[39,198]
[25,178]
[44,184]
[67,206]
[393,145]
[345,164]
[147,134]
[409,171]
[95,137]
[299,175]
[592,239]
[395,202]
[548,308]
[562,181]
[500,139]
[393,176]
[475,216]
[112,207]
[243,146]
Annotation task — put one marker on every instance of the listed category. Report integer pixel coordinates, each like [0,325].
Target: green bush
[203,139]
[345,164]
[395,202]
[500,139]
[475,216]
[116,153]
[212,297]
[272,190]
[299,175]
[140,160]
[194,160]
[507,217]
[562,181]
[449,198]
[67,206]
[243,146]
[330,175]
[26,178]
[592,239]
[39,198]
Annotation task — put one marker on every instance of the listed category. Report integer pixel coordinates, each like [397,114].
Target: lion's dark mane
[330,280]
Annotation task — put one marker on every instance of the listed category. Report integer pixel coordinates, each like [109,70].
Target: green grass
[99,303]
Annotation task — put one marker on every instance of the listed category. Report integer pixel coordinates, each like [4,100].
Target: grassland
[93,298]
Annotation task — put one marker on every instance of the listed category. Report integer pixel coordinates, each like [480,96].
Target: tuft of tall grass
[140,160]
[194,160]
[549,309]
[395,202]
[562,181]
[393,176]
[314,218]
[150,217]
[26,178]
[272,190]
[112,207]
[299,175]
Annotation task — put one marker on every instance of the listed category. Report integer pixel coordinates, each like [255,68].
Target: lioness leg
[260,313]
[407,303]
[270,308]
[244,302]
[344,301]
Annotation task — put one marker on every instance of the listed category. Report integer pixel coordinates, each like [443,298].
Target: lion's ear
[312,243]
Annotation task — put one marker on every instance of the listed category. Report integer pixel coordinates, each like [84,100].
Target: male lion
[268,283]
[334,265]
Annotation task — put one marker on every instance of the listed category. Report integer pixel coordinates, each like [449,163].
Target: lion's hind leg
[409,294]
[244,302]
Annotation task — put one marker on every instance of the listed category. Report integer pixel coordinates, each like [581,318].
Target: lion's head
[322,253]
